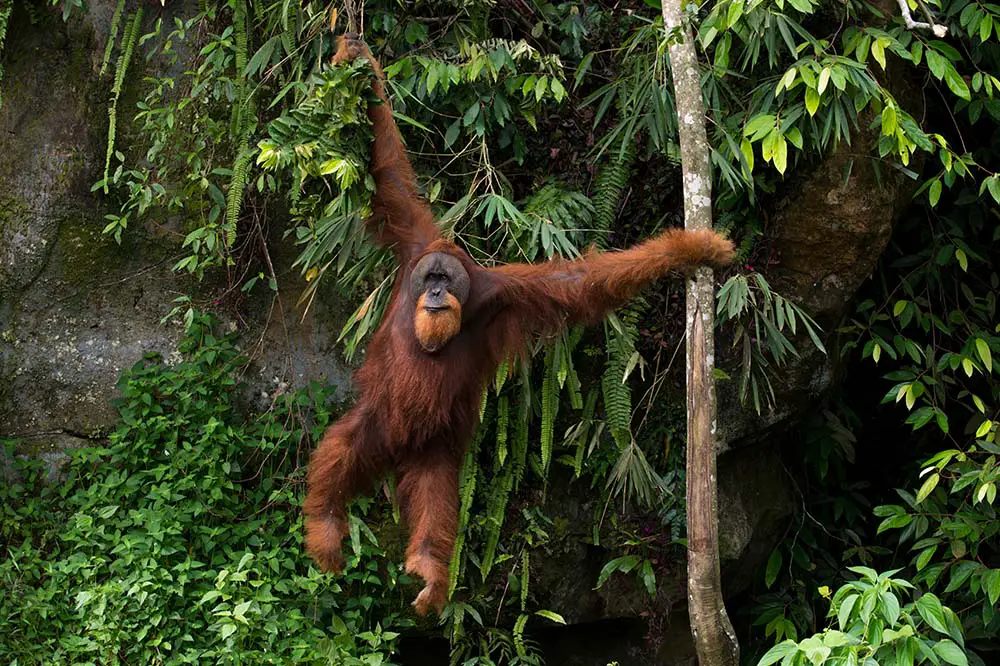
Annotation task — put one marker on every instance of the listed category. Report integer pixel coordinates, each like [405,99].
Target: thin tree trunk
[713,633]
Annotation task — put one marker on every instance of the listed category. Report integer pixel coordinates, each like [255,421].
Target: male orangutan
[449,325]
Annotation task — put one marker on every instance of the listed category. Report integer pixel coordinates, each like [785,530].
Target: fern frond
[503,418]
[499,495]
[241,125]
[129,38]
[608,190]
[519,648]
[234,197]
[116,20]
[581,443]
[550,405]
[621,334]
[520,450]
[525,577]
[564,208]
[466,491]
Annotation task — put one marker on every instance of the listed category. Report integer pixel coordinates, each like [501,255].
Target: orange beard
[436,327]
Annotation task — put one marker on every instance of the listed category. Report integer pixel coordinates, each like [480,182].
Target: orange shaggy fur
[415,410]
[437,327]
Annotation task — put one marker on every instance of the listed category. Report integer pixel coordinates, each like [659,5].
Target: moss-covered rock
[76,308]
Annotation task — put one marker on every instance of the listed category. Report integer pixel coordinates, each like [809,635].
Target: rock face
[827,234]
[75,307]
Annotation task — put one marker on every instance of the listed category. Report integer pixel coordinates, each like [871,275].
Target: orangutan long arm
[400,218]
[536,298]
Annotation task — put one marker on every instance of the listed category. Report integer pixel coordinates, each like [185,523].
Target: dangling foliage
[608,190]
[116,20]
[129,38]
[242,125]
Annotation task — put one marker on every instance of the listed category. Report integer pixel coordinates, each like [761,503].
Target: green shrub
[180,540]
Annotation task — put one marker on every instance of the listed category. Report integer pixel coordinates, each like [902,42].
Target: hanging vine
[116,20]
[128,46]
[242,125]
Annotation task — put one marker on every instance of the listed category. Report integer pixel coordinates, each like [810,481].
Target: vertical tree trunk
[713,633]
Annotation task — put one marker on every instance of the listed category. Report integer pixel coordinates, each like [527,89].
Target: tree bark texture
[714,638]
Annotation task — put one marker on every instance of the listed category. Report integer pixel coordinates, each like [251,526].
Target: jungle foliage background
[538,130]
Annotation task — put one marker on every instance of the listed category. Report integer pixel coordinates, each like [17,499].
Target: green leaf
[812,101]
[824,80]
[930,483]
[780,156]
[878,52]
[778,652]
[773,567]
[934,192]
[956,83]
[551,615]
[937,63]
[889,120]
[951,653]
[930,609]
[983,348]
[558,91]
[963,260]
[471,114]
[747,149]
[844,612]
[759,126]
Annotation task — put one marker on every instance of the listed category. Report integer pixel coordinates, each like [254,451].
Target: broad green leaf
[956,83]
[929,607]
[983,348]
[824,80]
[934,192]
[780,156]
[747,149]
[551,615]
[812,101]
[778,652]
[930,483]
[773,567]
[963,260]
[844,612]
[951,653]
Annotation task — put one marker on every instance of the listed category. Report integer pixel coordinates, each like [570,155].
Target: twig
[938,29]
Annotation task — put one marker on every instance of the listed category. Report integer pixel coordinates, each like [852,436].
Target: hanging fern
[608,190]
[582,439]
[499,495]
[503,417]
[129,38]
[621,334]
[466,492]
[499,492]
[241,125]
[550,405]
[520,448]
[525,574]
[241,171]
[6,7]
[116,20]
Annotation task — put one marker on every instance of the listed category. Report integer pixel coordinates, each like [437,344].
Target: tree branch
[938,29]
